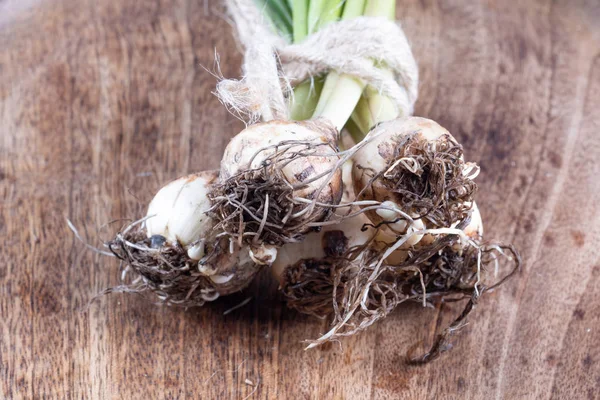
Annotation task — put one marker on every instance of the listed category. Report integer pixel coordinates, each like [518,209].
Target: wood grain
[102,102]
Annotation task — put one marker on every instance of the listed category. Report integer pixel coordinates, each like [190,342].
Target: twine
[353,47]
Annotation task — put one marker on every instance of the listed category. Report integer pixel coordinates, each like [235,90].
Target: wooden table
[102,102]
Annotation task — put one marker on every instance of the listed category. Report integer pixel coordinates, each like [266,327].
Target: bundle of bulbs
[354,205]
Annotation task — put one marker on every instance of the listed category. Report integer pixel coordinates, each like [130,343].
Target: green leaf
[300,14]
[279,13]
[353,9]
[323,12]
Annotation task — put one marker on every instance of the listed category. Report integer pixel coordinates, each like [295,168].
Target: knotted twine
[353,47]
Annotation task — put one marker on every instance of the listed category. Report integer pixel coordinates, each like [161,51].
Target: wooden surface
[102,102]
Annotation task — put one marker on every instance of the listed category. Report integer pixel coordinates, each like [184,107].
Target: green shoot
[305,99]
[279,13]
[300,21]
[323,12]
[339,101]
[374,107]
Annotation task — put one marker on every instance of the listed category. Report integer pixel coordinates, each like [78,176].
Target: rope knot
[271,65]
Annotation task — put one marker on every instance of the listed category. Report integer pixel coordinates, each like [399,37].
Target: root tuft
[358,291]
[429,178]
[260,206]
[164,272]
[308,286]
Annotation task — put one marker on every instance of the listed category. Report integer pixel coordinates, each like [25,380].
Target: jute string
[354,47]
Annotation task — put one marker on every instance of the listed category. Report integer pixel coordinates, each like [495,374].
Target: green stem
[279,13]
[361,116]
[356,132]
[381,8]
[323,12]
[300,13]
[317,15]
[353,9]
[339,100]
[305,99]
[373,107]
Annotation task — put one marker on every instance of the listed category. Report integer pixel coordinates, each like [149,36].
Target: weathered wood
[102,102]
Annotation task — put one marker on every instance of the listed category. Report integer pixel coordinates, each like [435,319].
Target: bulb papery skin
[196,251]
[178,211]
[242,153]
[379,151]
[317,245]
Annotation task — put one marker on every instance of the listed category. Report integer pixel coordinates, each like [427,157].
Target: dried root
[358,290]
[165,270]
[429,178]
[478,258]
[261,205]
[308,286]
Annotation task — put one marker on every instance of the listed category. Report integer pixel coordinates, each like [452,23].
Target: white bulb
[402,226]
[386,213]
[207,269]
[380,156]
[254,145]
[209,295]
[178,211]
[379,152]
[264,254]
[417,225]
[313,245]
[196,252]
[221,279]
[393,232]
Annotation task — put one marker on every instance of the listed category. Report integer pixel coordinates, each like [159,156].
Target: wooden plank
[103,102]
